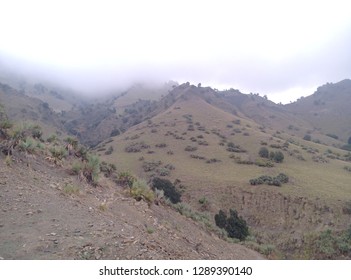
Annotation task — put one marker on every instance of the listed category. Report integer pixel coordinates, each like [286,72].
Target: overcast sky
[284,49]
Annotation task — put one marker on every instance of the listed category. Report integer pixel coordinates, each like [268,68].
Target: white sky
[284,49]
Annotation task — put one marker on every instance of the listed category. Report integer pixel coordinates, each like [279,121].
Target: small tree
[221,219]
[264,153]
[278,157]
[168,188]
[234,225]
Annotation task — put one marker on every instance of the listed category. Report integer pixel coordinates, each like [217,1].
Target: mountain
[210,142]
[281,168]
[327,110]
[23,108]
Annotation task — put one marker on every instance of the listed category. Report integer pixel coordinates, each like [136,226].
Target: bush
[72,141]
[109,151]
[52,138]
[36,131]
[141,190]
[136,147]
[126,179]
[307,137]
[76,167]
[28,145]
[190,148]
[58,153]
[263,152]
[92,169]
[234,225]
[268,180]
[5,124]
[277,157]
[107,168]
[168,188]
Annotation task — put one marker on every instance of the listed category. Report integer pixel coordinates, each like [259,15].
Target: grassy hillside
[215,153]
[280,167]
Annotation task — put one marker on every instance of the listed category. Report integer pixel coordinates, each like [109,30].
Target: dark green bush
[234,225]
[263,152]
[277,157]
[268,180]
[168,188]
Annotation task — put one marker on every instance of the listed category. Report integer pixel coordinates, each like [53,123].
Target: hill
[281,169]
[327,110]
[48,212]
[212,147]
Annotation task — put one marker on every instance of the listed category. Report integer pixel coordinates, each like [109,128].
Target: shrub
[5,124]
[277,157]
[268,180]
[332,136]
[136,147]
[168,188]
[161,145]
[263,152]
[234,225]
[36,131]
[76,167]
[109,151]
[72,141]
[91,169]
[107,168]
[126,179]
[28,145]
[151,165]
[190,148]
[307,137]
[58,153]
[221,219]
[231,147]
[140,190]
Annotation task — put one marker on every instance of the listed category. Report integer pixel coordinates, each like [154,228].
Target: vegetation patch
[136,147]
[231,147]
[268,180]
[190,148]
[151,165]
[234,225]
[168,189]
[140,190]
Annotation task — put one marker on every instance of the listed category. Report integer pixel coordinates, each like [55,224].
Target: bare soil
[41,219]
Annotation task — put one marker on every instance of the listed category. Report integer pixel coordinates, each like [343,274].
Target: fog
[274,48]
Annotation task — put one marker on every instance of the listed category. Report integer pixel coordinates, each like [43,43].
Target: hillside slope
[328,109]
[41,218]
[214,152]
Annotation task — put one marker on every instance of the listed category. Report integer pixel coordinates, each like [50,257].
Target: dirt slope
[39,219]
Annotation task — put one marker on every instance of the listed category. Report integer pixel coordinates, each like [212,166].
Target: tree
[264,153]
[234,225]
[168,188]
[278,157]
[349,141]
[221,219]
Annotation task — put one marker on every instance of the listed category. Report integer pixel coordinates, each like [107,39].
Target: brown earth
[41,219]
